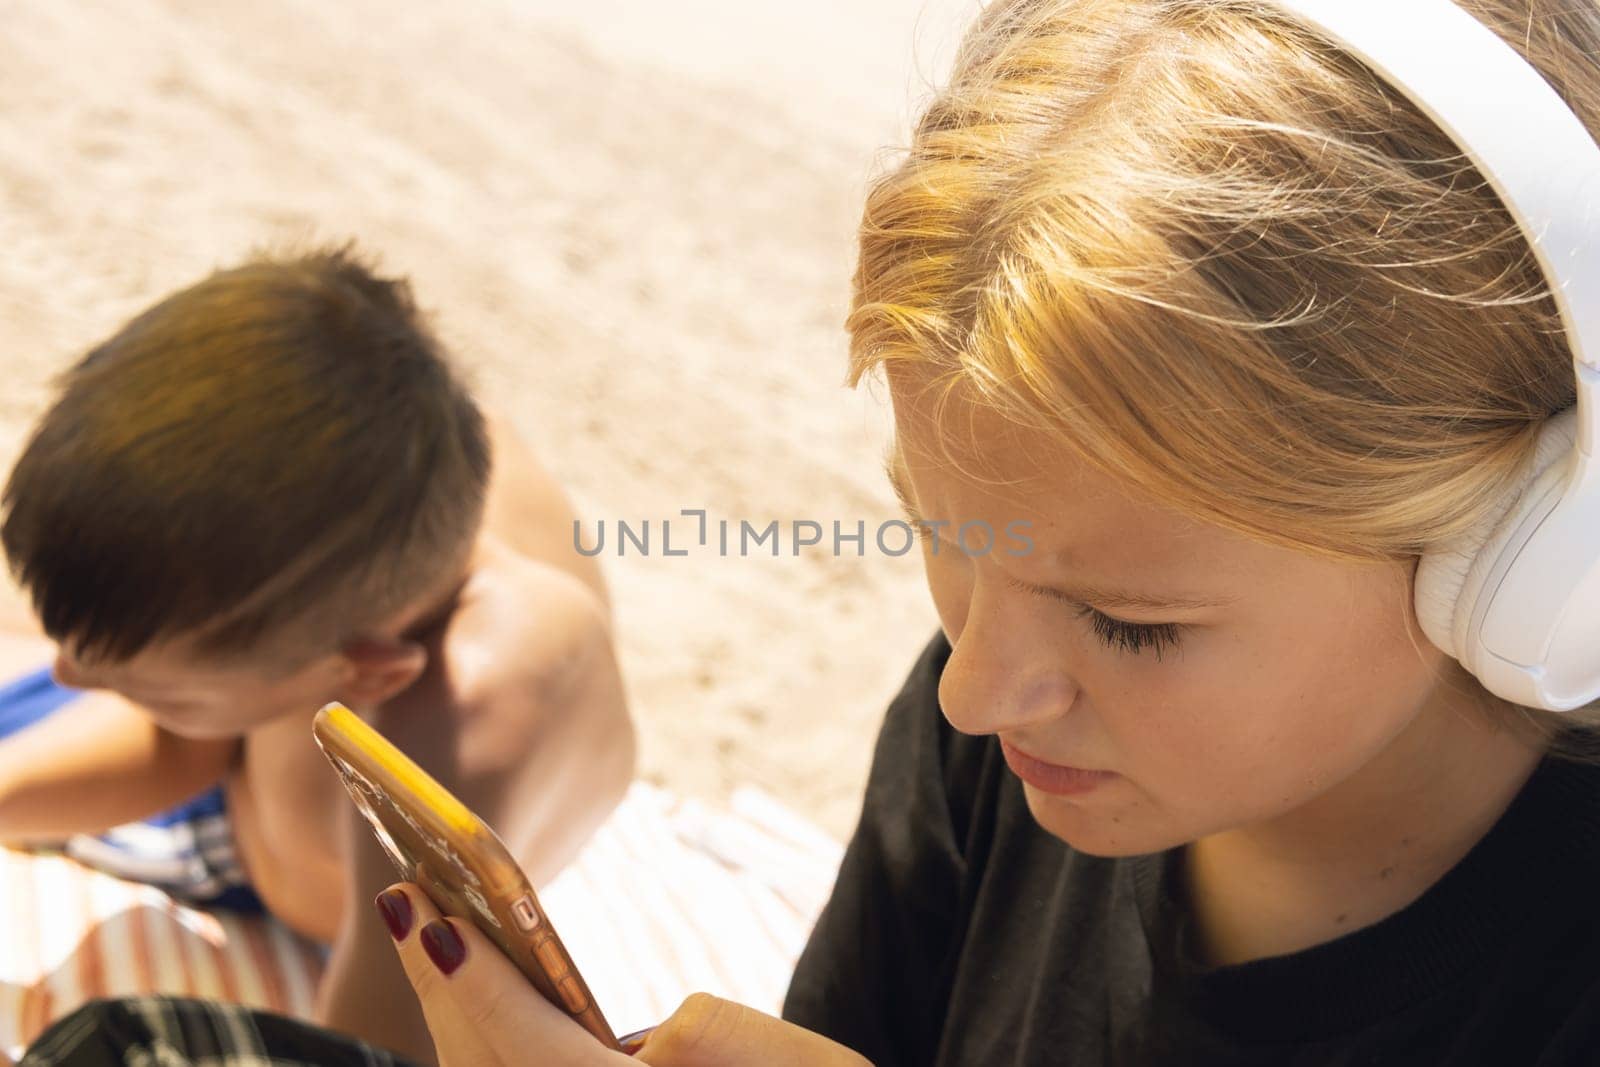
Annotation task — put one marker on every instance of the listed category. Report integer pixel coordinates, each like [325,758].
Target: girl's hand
[485,1013]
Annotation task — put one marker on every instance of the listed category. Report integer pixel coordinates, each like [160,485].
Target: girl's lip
[1052,777]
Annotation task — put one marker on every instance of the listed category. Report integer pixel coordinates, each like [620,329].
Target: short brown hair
[277,455]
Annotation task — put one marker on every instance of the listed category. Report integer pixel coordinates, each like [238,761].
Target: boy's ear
[380,667]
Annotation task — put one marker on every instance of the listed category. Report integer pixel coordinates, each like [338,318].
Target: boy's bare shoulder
[526,628]
[528,651]
[526,666]
[528,510]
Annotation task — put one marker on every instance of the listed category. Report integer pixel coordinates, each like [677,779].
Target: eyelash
[1127,636]
[1113,633]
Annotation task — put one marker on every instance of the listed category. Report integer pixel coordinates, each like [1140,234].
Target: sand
[634,224]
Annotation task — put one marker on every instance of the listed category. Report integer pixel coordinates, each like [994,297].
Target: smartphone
[466,870]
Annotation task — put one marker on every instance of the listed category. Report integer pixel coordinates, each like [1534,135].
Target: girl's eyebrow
[1081,594]
[1120,598]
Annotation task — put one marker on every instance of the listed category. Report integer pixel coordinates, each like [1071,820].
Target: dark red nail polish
[395,908]
[632,1043]
[443,945]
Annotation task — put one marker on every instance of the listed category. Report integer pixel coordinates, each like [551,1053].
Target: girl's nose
[998,679]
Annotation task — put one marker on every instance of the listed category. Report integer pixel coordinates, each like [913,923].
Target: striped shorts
[156,1031]
[188,851]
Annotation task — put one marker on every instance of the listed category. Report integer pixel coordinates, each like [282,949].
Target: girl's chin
[1093,832]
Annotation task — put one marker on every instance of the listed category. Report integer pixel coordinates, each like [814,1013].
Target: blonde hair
[1220,259]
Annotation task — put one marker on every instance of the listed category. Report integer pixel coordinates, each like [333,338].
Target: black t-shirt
[962,933]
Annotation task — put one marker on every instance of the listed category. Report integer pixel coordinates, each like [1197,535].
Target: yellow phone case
[436,842]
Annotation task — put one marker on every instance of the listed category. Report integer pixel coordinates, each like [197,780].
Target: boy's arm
[95,764]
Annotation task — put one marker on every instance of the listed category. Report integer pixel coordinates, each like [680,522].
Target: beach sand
[634,224]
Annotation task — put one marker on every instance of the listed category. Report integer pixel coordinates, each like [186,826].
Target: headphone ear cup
[1451,578]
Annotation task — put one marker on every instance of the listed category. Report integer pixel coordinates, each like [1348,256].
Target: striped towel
[69,934]
[668,897]
[671,897]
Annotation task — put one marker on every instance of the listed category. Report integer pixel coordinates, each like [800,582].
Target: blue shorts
[187,851]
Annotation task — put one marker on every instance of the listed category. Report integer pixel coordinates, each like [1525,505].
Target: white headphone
[1516,601]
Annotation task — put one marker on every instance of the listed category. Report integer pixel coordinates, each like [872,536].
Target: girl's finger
[708,1031]
[472,993]
[405,910]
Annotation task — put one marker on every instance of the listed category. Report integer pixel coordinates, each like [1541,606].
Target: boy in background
[268,491]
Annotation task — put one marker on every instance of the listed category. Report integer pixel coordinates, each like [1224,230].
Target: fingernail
[395,908]
[633,1042]
[443,945]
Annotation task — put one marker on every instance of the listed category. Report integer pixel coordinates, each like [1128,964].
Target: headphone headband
[1499,110]
[1519,604]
